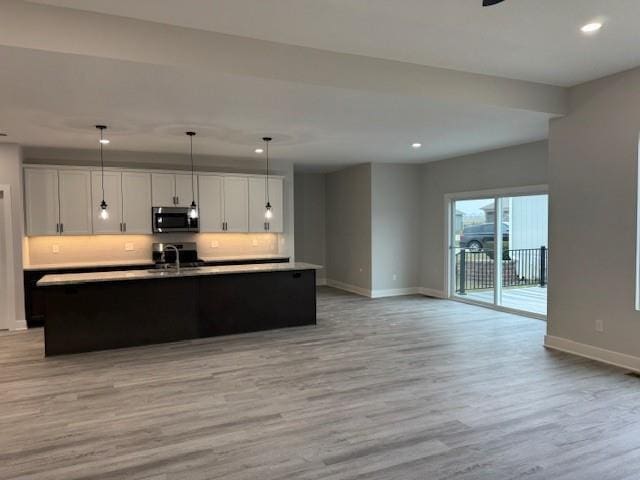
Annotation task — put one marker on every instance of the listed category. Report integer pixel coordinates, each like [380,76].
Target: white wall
[310,220]
[593,185]
[11,174]
[517,166]
[396,234]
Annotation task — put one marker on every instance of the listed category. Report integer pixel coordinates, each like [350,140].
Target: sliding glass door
[499,251]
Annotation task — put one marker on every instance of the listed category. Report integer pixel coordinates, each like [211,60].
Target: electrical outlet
[214,244]
[599,326]
[129,247]
[55,248]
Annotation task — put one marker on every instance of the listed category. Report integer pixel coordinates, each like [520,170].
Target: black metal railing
[475,270]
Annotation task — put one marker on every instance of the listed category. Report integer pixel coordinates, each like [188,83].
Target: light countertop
[125,263]
[129,275]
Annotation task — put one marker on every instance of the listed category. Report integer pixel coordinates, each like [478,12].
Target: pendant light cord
[266,178]
[193,188]
[102,162]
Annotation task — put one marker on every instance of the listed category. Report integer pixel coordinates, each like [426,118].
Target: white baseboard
[349,288]
[321,282]
[20,325]
[593,353]
[430,292]
[395,292]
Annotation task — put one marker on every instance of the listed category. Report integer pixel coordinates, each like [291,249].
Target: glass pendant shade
[104,211]
[193,210]
[268,211]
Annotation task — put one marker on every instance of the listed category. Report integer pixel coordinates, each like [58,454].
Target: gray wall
[396,232]
[310,219]
[517,166]
[348,224]
[11,174]
[593,177]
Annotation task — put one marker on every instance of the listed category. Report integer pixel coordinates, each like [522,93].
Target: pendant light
[193,209]
[104,212]
[268,211]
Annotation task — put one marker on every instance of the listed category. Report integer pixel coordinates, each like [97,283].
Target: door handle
[61,227]
[57,228]
[124,226]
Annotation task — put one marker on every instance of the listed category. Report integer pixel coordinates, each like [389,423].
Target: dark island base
[105,315]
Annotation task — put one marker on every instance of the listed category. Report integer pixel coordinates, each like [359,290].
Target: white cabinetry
[236,204]
[257,202]
[128,195]
[136,202]
[66,200]
[42,206]
[172,189]
[57,201]
[211,206]
[75,201]
[113,197]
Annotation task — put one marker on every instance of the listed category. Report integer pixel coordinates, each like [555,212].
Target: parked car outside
[481,238]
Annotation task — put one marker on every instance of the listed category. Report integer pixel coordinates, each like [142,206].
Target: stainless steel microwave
[173,219]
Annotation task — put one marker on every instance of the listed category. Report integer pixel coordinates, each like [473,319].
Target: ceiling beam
[62,30]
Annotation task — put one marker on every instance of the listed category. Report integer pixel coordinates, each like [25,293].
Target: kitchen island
[102,310]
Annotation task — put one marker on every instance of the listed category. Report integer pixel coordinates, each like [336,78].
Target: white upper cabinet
[236,204]
[211,203]
[41,201]
[173,190]
[136,202]
[75,202]
[66,200]
[258,200]
[185,193]
[163,188]
[113,197]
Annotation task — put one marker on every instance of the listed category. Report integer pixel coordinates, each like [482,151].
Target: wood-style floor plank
[401,388]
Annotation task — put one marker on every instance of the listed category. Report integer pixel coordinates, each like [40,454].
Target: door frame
[9,323]
[496,195]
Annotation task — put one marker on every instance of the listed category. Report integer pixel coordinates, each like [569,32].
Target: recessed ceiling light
[416,145]
[591,27]
[104,141]
[259,150]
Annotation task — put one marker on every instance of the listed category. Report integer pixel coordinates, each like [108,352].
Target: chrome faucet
[173,247]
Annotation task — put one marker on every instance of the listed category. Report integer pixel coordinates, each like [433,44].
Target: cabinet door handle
[177,200]
[61,227]
[57,228]
[124,226]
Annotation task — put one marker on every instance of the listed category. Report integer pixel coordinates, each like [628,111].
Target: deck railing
[475,270]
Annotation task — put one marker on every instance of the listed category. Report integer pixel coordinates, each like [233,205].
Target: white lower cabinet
[257,202]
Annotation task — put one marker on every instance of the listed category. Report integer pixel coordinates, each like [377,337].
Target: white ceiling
[534,40]
[64,70]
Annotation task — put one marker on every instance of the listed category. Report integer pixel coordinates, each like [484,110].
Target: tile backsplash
[52,250]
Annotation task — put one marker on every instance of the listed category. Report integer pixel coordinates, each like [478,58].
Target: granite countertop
[128,275]
[125,263]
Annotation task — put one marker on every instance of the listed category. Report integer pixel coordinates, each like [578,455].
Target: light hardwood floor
[401,388]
